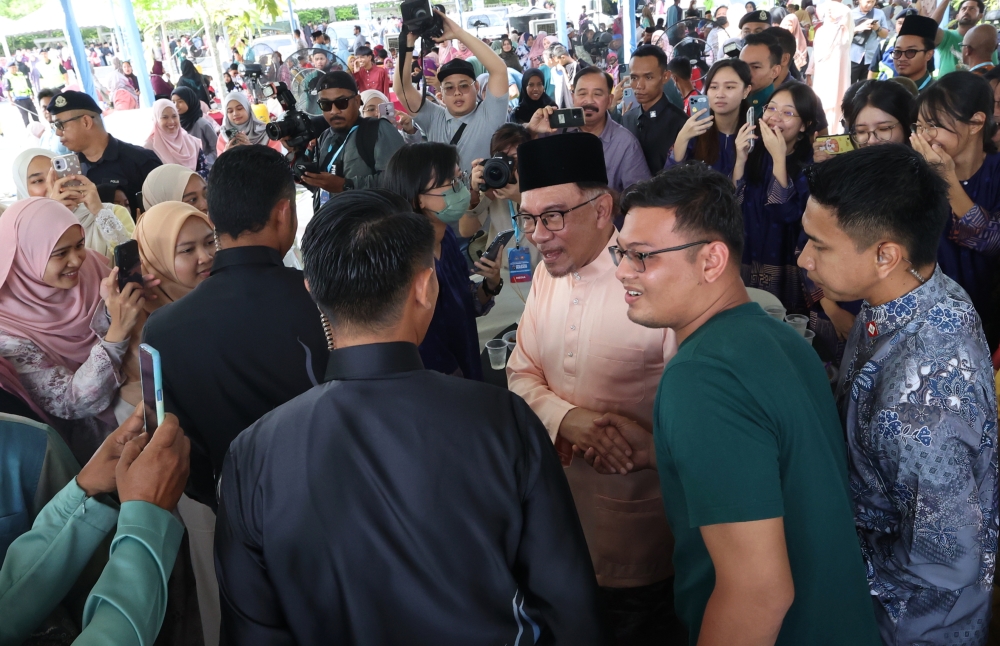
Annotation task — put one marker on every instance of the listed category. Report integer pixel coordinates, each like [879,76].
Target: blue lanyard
[513,221]
[329,167]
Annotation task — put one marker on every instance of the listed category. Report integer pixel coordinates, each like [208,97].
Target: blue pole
[130,30]
[561,23]
[628,29]
[79,52]
[291,19]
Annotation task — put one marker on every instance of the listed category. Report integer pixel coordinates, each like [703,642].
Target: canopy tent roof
[89,13]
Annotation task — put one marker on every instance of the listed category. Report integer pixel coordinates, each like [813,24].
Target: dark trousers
[859,72]
[26,107]
[643,616]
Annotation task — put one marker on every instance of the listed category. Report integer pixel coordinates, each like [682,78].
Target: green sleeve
[58,468]
[129,601]
[717,438]
[44,563]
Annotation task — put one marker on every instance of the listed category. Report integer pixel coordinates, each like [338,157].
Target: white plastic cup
[498,353]
[809,335]
[798,321]
[510,339]
[776,312]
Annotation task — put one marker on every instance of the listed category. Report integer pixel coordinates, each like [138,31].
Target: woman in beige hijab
[175,183]
[177,245]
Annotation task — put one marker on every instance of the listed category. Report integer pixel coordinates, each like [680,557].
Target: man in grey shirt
[870,27]
[359,40]
[354,151]
[460,120]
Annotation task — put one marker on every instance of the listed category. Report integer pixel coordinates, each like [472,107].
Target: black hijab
[526,108]
[193,114]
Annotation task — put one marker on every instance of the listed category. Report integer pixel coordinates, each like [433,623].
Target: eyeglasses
[452,90]
[455,184]
[784,114]
[551,220]
[930,131]
[638,258]
[882,132]
[341,104]
[909,53]
[59,126]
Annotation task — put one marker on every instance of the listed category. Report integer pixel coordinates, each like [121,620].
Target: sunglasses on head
[341,104]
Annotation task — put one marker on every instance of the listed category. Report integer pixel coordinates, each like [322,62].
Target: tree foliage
[15,9]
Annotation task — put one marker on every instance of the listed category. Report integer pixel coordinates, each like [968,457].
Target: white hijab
[103,231]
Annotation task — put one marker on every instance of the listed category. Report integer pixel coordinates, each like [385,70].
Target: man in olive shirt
[748,442]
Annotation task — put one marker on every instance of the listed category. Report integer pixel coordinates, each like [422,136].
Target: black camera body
[498,171]
[295,125]
[302,166]
[420,20]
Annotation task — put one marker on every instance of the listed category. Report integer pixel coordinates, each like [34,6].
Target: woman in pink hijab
[170,141]
[831,65]
[537,51]
[64,325]
[791,24]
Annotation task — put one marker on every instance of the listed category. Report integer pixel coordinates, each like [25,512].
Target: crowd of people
[750,398]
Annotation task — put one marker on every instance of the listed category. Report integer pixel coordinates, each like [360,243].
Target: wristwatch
[486,288]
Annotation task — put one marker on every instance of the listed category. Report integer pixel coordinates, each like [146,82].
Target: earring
[328,332]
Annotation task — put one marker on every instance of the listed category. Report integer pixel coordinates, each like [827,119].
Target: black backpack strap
[367,137]
[458,134]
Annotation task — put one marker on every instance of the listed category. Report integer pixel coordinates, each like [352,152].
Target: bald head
[979,44]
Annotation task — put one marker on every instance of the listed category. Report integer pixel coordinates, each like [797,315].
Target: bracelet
[486,288]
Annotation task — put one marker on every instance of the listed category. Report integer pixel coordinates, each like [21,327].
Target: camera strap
[458,135]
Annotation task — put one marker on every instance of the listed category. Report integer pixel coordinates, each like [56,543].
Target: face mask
[456,203]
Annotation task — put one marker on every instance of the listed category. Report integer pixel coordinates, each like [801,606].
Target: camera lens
[496,173]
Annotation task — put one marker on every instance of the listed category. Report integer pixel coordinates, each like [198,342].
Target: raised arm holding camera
[461,122]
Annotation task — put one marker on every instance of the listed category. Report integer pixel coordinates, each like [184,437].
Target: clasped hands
[610,443]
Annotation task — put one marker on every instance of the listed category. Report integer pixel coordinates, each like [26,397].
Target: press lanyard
[329,166]
[513,222]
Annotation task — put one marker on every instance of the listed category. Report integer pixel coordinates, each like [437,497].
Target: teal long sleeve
[129,601]
[43,564]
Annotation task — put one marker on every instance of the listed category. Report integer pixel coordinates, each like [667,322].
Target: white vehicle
[485,24]
[284,44]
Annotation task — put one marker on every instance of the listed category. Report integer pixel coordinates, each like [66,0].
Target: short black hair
[980,3]
[412,167]
[767,40]
[361,252]
[655,52]
[317,34]
[785,40]
[891,98]
[364,51]
[958,96]
[234,67]
[703,200]
[589,70]
[244,185]
[911,210]
[45,92]
[681,68]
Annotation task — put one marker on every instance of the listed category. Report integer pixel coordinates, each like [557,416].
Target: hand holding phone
[699,102]
[567,118]
[751,121]
[129,264]
[498,243]
[386,111]
[151,379]
[66,165]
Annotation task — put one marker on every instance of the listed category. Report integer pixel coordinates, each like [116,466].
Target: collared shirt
[867,49]
[480,124]
[576,347]
[425,509]
[622,156]
[759,99]
[350,164]
[374,79]
[124,165]
[656,130]
[256,320]
[918,400]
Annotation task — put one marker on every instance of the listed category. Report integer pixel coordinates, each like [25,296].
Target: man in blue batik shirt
[916,395]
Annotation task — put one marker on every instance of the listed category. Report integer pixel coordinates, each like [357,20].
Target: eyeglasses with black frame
[882,132]
[638,258]
[341,104]
[59,125]
[551,220]
[908,53]
[454,184]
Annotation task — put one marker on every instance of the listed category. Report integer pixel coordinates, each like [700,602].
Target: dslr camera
[498,171]
[420,20]
[295,125]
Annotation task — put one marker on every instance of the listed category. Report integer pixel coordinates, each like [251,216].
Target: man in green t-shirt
[949,41]
[748,442]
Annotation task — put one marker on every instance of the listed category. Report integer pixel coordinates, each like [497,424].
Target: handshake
[610,443]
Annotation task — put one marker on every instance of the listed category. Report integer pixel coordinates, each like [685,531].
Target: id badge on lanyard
[324,195]
[518,258]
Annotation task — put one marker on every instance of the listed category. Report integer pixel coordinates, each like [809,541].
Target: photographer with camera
[462,122]
[355,150]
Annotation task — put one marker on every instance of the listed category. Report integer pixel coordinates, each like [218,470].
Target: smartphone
[699,102]
[151,379]
[498,242]
[751,119]
[836,144]
[623,72]
[66,165]
[628,100]
[386,111]
[231,132]
[567,118]
[128,263]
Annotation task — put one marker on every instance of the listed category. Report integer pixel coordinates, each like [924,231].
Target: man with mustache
[579,363]
[623,157]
